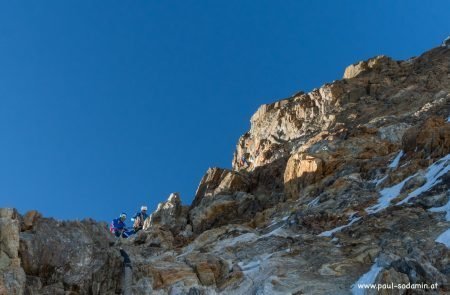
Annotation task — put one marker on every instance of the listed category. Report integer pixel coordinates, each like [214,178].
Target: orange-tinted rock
[432,138]
[170,214]
[301,171]
[219,181]
[29,219]
[377,64]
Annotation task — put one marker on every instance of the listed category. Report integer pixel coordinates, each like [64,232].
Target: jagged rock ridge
[350,178]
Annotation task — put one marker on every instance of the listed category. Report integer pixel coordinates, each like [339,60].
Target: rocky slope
[346,184]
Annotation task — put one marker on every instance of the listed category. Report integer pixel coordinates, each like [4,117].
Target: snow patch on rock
[433,175]
[387,195]
[329,233]
[367,278]
[396,160]
[444,238]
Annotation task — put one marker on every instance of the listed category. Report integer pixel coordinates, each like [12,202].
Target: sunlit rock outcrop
[170,214]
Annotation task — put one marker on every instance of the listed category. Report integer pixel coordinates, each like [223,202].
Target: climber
[139,219]
[119,228]
[244,162]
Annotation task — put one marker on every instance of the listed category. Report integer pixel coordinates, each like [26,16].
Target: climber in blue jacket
[119,228]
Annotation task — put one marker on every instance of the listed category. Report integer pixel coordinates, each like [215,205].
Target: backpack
[112,228]
[137,221]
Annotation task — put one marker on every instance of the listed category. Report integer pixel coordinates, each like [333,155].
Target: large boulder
[70,256]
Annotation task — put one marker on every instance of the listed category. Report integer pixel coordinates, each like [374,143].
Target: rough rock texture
[170,214]
[69,256]
[29,220]
[302,170]
[429,139]
[347,184]
[219,181]
[12,279]
[374,66]
[219,199]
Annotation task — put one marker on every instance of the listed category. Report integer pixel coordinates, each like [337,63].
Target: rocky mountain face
[344,185]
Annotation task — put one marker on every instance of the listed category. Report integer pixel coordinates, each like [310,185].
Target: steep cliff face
[347,184]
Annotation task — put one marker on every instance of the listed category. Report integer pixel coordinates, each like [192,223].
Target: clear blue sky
[106,105]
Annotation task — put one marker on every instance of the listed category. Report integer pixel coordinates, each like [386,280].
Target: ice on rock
[433,175]
[387,195]
[367,278]
[329,233]
[396,160]
[444,238]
